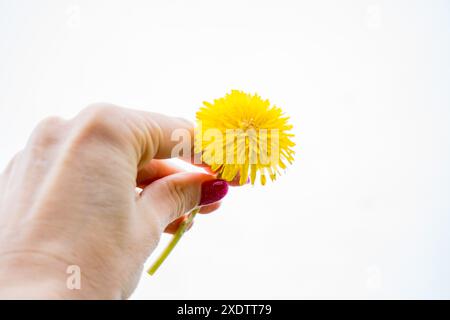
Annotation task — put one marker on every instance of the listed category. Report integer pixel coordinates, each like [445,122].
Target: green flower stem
[176,237]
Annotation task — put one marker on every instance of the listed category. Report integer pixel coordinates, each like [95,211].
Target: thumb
[172,196]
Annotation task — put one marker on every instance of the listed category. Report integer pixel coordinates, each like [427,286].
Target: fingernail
[213,191]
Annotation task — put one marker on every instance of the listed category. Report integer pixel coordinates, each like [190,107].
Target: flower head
[243,135]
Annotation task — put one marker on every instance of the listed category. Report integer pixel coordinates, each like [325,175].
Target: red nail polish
[213,191]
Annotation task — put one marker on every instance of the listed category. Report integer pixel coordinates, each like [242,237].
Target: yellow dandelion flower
[239,134]
[243,135]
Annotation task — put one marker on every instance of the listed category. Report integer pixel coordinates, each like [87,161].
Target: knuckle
[100,120]
[99,114]
[48,131]
[99,110]
[49,124]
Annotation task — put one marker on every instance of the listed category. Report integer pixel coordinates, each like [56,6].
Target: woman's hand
[70,199]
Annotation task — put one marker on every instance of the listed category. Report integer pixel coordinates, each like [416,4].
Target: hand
[70,198]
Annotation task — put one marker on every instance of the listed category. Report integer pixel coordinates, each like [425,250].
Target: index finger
[170,137]
[143,135]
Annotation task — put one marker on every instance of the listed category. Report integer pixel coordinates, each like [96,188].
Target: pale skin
[70,198]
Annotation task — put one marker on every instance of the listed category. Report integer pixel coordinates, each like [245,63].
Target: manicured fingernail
[213,191]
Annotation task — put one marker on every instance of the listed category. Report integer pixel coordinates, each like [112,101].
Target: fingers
[171,197]
[175,135]
[157,169]
[194,161]
[210,208]
[154,170]
[174,225]
[149,135]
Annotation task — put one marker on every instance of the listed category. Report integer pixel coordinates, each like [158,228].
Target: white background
[364,210]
